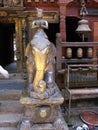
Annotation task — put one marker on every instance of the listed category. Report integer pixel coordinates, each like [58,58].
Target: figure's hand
[43,96]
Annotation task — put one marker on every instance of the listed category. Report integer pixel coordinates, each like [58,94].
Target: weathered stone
[43,127]
[9,120]
[42,105]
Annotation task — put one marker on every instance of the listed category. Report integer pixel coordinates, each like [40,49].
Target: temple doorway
[7,46]
[71,26]
[51,32]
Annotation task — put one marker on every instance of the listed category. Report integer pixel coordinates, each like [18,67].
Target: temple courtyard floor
[81,115]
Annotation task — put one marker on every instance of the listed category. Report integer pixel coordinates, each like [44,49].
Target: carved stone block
[43,113]
[13,3]
[43,127]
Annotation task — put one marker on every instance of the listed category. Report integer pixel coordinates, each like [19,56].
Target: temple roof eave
[68,1]
[96,0]
[65,1]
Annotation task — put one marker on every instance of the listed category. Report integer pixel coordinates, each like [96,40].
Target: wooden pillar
[62,10]
[18,43]
[95,37]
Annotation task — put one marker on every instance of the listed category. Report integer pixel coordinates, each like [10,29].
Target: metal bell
[83,26]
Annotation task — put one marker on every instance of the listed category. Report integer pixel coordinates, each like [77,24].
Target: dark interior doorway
[73,36]
[71,26]
[6,43]
[51,31]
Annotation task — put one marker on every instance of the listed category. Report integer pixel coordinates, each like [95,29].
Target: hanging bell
[83,26]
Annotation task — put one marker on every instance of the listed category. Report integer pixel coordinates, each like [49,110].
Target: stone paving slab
[10,120]
[75,120]
[10,106]
[6,94]
[8,128]
[13,76]
[12,84]
[43,127]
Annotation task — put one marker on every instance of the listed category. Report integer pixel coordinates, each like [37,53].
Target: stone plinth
[43,127]
[43,114]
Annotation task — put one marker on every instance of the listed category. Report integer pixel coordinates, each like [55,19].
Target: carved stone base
[42,127]
[43,114]
[58,124]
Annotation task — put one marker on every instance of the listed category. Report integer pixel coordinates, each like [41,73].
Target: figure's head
[39,13]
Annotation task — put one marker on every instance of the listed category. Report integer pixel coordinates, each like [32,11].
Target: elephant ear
[52,50]
[28,54]
[52,54]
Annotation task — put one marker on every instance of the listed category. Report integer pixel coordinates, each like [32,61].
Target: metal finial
[83,10]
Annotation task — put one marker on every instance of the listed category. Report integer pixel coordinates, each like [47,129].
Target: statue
[42,110]
[4,72]
[40,58]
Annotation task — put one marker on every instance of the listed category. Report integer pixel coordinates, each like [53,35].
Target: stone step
[10,120]
[6,94]
[12,84]
[13,76]
[8,128]
[16,76]
[10,106]
[43,127]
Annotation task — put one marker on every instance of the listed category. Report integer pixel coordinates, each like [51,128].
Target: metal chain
[83,10]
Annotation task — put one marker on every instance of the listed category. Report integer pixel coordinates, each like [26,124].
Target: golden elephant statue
[40,58]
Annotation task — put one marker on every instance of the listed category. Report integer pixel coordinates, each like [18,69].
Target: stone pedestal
[43,114]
